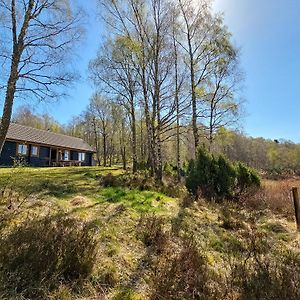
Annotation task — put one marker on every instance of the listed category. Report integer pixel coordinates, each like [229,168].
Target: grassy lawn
[61,183]
[77,192]
[126,265]
[66,185]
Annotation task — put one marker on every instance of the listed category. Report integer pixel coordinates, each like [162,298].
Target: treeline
[112,137]
[167,80]
[274,157]
[25,115]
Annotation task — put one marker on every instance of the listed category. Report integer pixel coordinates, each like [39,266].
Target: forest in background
[167,80]
[272,157]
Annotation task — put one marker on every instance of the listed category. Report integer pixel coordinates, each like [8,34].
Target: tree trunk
[18,47]
[134,143]
[194,106]
[177,111]
[96,142]
[142,146]
[157,145]
[150,160]
[159,168]
[192,78]
[157,112]
[123,146]
[210,130]
[111,155]
[111,151]
[124,158]
[104,150]
[8,105]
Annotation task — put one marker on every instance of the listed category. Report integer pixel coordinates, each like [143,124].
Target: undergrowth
[119,236]
[39,255]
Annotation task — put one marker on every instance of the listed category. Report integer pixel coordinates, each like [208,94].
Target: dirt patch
[80,201]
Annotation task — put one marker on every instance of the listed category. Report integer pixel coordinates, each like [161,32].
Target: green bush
[169,169]
[215,177]
[19,162]
[39,255]
[247,179]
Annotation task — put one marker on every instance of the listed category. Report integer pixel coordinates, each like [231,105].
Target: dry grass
[151,247]
[38,255]
[275,195]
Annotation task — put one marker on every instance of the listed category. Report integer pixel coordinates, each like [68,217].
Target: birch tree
[219,96]
[163,58]
[36,40]
[113,70]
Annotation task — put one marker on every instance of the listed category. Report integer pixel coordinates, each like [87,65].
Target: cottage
[41,148]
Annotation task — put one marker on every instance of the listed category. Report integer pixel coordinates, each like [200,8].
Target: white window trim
[37,150]
[23,146]
[66,157]
[81,156]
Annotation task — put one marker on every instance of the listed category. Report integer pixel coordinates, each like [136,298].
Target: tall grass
[38,255]
[275,196]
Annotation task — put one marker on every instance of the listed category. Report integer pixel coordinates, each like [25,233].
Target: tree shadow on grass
[59,183]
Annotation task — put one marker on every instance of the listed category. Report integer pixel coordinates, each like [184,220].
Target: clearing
[141,232]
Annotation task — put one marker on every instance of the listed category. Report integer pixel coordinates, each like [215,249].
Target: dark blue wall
[74,155]
[88,159]
[42,160]
[86,162]
[10,149]
[8,152]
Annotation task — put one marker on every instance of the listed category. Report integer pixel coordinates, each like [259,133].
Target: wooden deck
[66,163]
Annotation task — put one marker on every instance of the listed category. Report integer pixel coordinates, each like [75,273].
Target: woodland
[180,204]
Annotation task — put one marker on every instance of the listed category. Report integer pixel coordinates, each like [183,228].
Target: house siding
[74,155]
[39,161]
[88,157]
[8,153]
[10,149]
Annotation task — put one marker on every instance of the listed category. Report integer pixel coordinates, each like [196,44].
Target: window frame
[21,153]
[37,151]
[81,156]
[68,156]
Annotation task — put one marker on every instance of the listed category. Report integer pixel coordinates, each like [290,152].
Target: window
[34,151]
[81,156]
[22,149]
[66,155]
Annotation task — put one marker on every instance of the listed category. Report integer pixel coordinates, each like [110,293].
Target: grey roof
[32,135]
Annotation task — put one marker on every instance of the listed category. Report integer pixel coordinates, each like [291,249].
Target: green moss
[113,249]
[127,294]
[217,245]
[141,201]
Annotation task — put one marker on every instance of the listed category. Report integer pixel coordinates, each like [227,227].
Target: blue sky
[268,33]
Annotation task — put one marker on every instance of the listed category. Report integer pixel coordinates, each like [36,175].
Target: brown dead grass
[275,195]
[80,201]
